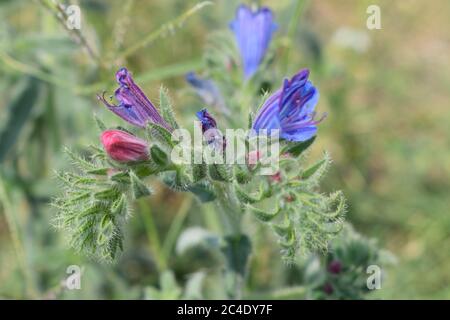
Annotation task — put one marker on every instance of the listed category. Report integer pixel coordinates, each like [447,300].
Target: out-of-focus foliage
[385,92]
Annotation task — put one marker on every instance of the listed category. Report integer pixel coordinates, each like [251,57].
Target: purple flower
[208,91]
[134,107]
[253,31]
[212,135]
[291,109]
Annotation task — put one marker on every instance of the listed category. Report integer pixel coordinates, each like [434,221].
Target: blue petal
[253,32]
[267,116]
[302,134]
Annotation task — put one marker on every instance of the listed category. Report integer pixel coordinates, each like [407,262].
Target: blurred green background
[385,92]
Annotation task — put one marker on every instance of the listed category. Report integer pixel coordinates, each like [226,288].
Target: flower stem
[292,28]
[152,234]
[175,227]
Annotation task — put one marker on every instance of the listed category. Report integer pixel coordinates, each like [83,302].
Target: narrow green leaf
[159,156]
[263,215]
[100,125]
[317,169]
[297,148]
[245,197]
[165,106]
[237,249]
[19,110]
[138,187]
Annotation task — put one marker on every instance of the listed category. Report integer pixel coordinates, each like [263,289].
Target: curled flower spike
[253,32]
[209,129]
[207,91]
[291,109]
[134,107]
[123,147]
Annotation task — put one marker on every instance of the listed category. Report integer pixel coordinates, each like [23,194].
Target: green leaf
[79,161]
[198,171]
[237,249]
[99,171]
[159,156]
[317,169]
[245,197]
[119,207]
[297,148]
[263,215]
[138,187]
[242,174]
[19,110]
[176,180]
[284,229]
[203,191]
[100,125]
[220,172]
[165,106]
[160,135]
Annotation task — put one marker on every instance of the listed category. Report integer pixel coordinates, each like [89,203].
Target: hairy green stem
[231,215]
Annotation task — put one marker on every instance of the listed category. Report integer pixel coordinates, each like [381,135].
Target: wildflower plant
[98,196]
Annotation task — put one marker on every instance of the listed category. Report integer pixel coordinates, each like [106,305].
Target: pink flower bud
[253,157]
[276,178]
[123,146]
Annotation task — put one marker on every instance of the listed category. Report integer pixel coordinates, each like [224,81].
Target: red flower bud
[123,146]
[335,267]
[276,178]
